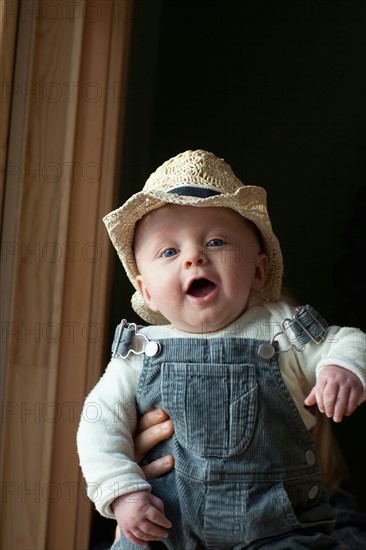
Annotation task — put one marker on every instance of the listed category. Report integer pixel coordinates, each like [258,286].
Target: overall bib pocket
[213,406]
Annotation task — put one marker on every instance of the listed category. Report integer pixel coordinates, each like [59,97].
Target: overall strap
[307,325]
[128,339]
[123,336]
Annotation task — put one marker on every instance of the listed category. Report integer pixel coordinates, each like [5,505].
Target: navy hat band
[190,191]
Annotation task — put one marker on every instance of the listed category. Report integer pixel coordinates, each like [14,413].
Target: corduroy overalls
[246,472]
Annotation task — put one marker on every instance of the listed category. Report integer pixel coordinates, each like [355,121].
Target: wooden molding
[64,141]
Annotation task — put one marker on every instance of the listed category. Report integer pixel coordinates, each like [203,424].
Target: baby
[237,371]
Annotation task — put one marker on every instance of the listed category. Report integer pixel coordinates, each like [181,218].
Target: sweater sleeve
[343,346]
[105,436]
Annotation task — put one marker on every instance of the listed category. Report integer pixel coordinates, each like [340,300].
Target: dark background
[278,90]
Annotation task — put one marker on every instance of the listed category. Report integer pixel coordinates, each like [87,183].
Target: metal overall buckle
[151,348]
[306,325]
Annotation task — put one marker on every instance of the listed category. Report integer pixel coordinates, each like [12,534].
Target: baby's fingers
[141,537]
[311,398]
[139,542]
[353,400]
[152,528]
[336,400]
[337,392]
[156,513]
[333,400]
[317,396]
[342,402]
[148,531]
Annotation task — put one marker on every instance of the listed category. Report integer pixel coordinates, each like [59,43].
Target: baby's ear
[145,293]
[261,271]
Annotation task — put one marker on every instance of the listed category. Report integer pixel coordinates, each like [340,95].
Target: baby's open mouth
[200,288]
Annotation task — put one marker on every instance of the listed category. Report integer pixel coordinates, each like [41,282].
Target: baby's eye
[215,242]
[169,252]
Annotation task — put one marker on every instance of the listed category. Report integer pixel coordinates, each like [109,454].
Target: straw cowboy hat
[194,178]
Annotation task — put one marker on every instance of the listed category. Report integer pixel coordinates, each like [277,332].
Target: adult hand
[153,427]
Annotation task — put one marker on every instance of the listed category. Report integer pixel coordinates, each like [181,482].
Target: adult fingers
[158,467]
[147,439]
[151,418]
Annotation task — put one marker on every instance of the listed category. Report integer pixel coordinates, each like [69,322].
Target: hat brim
[249,201]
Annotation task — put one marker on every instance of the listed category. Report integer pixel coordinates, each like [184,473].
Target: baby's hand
[337,392]
[140,516]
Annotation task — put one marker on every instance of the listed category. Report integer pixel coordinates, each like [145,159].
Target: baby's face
[198,266]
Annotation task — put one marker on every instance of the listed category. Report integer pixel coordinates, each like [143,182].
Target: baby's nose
[195,256]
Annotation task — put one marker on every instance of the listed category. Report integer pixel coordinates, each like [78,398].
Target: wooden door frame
[61,154]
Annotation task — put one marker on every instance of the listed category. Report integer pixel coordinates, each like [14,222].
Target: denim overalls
[246,471]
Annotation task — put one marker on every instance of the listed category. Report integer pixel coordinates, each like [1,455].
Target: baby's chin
[207,326]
